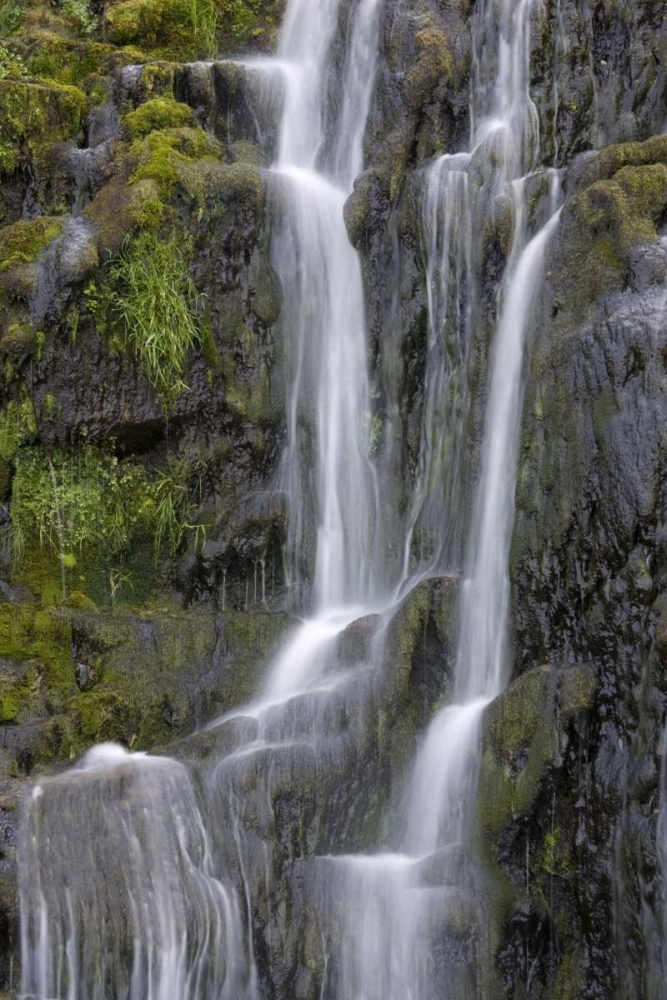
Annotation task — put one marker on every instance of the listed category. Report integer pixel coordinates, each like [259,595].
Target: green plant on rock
[12,66]
[86,500]
[73,501]
[176,506]
[17,425]
[79,12]
[158,304]
[11,18]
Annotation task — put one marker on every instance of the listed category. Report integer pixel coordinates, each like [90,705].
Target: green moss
[29,633]
[521,740]
[170,157]
[434,64]
[158,113]
[12,66]
[63,60]
[601,228]
[23,242]
[120,208]
[245,23]
[169,28]
[32,114]
[630,154]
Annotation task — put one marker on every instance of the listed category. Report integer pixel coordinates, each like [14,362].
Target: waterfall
[135,905]
[437,507]
[394,902]
[324,317]
[167,883]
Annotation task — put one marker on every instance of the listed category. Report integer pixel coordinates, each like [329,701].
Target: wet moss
[32,114]
[35,635]
[53,57]
[600,229]
[521,740]
[170,157]
[433,65]
[23,242]
[120,208]
[158,113]
[173,29]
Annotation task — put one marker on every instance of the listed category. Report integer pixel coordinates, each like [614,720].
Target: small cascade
[121,899]
[437,508]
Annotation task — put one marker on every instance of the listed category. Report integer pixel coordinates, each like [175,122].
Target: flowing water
[168,906]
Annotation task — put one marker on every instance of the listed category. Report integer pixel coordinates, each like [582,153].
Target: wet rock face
[588,566]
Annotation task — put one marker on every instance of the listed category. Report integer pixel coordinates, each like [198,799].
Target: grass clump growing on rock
[74,503]
[158,113]
[158,304]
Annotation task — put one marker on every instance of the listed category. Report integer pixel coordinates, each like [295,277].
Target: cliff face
[143,525]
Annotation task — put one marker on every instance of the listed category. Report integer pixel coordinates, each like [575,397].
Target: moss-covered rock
[605,223]
[23,242]
[157,113]
[34,114]
[433,65]
[522,731]
[175,29]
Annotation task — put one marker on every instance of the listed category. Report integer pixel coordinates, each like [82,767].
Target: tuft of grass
[87,499]
[158,304]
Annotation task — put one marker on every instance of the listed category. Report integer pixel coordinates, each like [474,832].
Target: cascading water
[324,319]
[437,508]
[119,897]
[164,926]
[387,951]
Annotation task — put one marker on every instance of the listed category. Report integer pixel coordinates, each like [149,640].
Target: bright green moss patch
[158,113]
[23,242]
[600,229]
[35,635]
[32,114]
[170,157]
[179,29]
[65,61]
